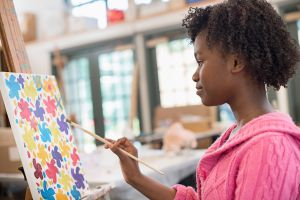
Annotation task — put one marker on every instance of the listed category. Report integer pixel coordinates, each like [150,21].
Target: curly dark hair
[252,30]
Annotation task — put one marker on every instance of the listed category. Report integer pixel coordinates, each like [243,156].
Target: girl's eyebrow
[197,54]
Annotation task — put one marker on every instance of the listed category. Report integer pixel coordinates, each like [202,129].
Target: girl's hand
[132,175]
[130,168]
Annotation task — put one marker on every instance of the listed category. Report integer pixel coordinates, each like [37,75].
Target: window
[79,100]
[98,88]
[176,65]
[117,4]
[96,9]
[142,1]
[90,8]
[116,70]
[147,1]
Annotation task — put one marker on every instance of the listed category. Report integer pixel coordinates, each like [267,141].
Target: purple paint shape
[57,156]
[79,180]
[39,111]
[63,125]
[21,80]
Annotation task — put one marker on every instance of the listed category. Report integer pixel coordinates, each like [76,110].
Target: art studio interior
[116,68]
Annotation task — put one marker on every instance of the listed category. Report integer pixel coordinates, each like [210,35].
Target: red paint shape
[25,111]
[75,157]
[52,171]
[50,106]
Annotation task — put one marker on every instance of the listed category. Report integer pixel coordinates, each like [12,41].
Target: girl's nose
[195,76]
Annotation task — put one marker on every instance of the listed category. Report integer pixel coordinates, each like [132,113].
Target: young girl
[241,46]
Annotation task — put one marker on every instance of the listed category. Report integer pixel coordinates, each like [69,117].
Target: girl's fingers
[106,145]
[121,140]
[110,140]
[121,143]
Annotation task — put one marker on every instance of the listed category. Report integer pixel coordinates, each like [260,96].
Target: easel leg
[28,194]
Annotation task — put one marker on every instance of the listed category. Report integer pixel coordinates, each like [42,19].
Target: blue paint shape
[14,87]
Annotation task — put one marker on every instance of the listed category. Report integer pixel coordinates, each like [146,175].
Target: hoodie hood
[274,122]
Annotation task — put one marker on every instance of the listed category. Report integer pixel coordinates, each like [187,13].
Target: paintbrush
[97,137]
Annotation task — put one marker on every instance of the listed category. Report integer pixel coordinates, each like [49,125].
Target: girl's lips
[199,91]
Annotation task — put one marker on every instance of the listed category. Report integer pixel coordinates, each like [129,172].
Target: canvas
[43,137]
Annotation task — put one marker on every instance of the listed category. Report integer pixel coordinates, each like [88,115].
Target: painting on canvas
[44,139]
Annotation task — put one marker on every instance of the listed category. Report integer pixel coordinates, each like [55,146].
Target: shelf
[158,22]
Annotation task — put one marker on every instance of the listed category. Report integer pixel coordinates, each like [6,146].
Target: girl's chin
[206,102]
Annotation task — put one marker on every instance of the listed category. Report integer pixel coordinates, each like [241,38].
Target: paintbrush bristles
[110,144]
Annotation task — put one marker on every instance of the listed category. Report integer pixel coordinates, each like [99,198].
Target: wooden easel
[17,59]
[12,39]
[13,45]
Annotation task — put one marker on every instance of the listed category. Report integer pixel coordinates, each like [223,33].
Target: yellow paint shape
[59,195]
[65,148]
[54,131]
[66,181]
[30,90]
[49,87]
[29,139]
[42,154]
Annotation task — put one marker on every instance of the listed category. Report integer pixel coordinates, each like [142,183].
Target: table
[213,133]
[102,167]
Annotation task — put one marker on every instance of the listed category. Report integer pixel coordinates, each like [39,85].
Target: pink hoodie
[262,161]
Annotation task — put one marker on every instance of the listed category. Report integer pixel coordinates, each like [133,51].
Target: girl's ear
[237,65]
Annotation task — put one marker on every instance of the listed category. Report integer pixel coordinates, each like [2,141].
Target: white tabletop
[102,166]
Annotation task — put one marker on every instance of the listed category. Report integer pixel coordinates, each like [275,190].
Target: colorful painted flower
[65,179]
[63,125]
[75,193]
[25,111]
[42,154]
[61,196]
[49,86]
[38,82]
[30,90]
[38,170]
[14,87]
[47,193]
[51,107]
[39,111]
[57,156]
[21,80]
[45,132]
[52,171]
[79,180]
[74,156]
[28,138]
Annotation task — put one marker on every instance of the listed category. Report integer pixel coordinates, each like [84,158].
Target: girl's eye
[200,62]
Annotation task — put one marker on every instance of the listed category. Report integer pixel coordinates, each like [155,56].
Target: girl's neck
[250,105]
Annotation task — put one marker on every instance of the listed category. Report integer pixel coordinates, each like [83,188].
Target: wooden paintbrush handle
[110,144]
